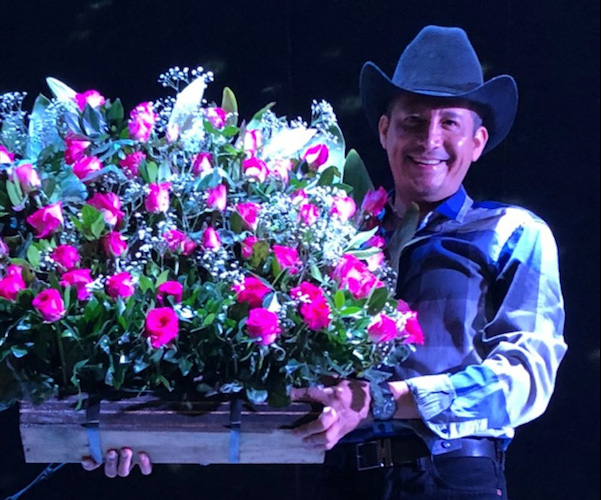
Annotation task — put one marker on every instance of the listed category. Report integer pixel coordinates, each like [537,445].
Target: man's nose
[433,134]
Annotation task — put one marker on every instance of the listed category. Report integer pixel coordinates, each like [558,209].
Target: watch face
[386,409]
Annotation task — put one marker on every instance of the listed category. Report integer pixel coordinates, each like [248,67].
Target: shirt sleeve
[522,345]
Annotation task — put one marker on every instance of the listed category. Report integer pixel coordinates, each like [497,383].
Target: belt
[388,452]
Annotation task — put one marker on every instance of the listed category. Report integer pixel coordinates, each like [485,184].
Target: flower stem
[61,352]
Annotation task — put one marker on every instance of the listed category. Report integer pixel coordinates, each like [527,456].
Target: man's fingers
[328,417]
[88,464]
[110,463]
[124,466]
[144,463]
[317,394]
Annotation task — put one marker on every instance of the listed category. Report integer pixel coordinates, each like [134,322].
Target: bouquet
[178,250]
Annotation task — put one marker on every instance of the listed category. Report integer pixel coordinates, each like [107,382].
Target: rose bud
[157,200]
[78,278]
[92,98]
[316,156]
[86,166]
[217,198]
[210,239]
[47,220]
[66,256]
[27,177]
[170,289]
[344,207]
[75,148]
[161,326]
[5,156]
[375,201]
[110,206]
[50,305]
[131,164]
[120,285]
[251,291]
[142,120]
[114,244]
[263,325]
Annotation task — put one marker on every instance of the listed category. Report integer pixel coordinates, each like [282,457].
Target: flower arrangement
[177,250]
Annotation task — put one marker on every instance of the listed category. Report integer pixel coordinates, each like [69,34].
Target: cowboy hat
[441,62]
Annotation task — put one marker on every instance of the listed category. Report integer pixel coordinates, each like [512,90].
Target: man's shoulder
[515,215]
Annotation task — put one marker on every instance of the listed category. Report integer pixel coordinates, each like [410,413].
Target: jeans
[457,478]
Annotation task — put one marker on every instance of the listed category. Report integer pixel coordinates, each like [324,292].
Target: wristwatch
[383,404]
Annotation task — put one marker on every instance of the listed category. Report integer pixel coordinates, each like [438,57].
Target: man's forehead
[417,102]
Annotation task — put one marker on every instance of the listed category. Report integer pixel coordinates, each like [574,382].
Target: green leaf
[209,319]
[18,352]
[339,299]
[145,284]
[360,239]
[14,193]
[364,254]
[152,171]
[350,311]
[377,300]
[61,91]
[256,119]
[115,112]
[315,272]
[228,101]
[162,278]
[33,255]
[356,175]
[328,176]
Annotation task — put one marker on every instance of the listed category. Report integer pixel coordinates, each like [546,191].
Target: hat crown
[440,61]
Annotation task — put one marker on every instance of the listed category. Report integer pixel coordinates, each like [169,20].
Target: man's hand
[346,405]
[119,463]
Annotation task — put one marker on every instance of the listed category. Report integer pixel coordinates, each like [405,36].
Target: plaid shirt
[484,280]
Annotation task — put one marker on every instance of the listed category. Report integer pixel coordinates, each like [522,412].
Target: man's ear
[480,140]
[383,129]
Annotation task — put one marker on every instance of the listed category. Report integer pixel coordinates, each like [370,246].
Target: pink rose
[170,289]
[210,239]
[86,166]
[75,148]
[375,261]
[314,309]
[141,121]
[375,201]
[344,207]
[382,329]
[90,97]
[248,246]
[4,250]
[413,330]
[47,220]
[216,116]
[114,244]
[217,198]
[308,214]
[5,156]
[203,164]
[12,283]
[110,206]
[263,325]
[287,258]
[120,285]
[316,156]
[252,141]
[249,213]
[27,177]
[66,256]
[161,326]
[131,164]
[252,291]
[299,196]
[178,242]
[281,169]
[78,278]
[157,200]
[50,305]
[255,168]
[354,275]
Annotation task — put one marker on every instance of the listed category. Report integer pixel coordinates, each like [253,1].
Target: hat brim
[496,100]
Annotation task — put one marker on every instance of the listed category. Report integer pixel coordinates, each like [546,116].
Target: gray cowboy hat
[441,62]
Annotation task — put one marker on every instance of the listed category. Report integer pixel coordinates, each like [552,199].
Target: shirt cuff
[433,394]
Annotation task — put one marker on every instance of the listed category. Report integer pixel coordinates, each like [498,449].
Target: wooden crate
[170,432]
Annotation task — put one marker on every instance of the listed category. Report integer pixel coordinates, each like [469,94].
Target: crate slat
[170,432]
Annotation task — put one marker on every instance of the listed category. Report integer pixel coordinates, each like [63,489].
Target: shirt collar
[456,205]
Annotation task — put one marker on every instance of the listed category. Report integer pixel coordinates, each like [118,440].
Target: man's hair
[475,112]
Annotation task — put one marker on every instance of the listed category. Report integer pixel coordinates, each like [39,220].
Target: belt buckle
[374,454]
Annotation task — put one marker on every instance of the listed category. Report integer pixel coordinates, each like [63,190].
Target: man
[483,278]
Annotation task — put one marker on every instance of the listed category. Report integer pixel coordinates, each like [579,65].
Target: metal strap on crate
[93,429]
[235,429]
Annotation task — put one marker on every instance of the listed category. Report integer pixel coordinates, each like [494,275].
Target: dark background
[294,51]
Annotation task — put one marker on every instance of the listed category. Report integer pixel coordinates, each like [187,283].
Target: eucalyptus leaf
[228,101]
[356,175]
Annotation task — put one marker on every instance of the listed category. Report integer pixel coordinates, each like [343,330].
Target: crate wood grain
[170,432]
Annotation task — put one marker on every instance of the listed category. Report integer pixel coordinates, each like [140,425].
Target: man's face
[430,144]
